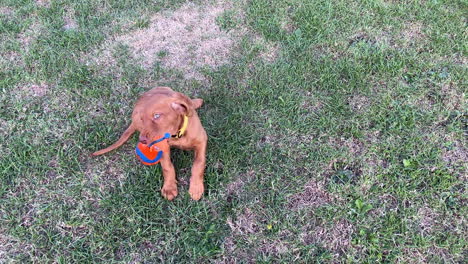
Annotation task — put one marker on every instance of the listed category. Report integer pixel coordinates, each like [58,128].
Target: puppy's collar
[182,130]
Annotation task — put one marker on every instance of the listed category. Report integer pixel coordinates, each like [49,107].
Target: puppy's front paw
[196,190]
[169,191]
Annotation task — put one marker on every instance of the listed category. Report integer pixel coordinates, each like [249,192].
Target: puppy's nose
[143,140]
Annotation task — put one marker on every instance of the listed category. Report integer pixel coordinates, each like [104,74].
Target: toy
[151,154]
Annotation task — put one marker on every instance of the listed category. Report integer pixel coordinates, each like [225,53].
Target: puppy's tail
[130,130]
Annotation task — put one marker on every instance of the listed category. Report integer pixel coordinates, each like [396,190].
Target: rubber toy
[151,154]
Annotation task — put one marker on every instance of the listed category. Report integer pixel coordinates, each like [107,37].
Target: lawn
[337,131]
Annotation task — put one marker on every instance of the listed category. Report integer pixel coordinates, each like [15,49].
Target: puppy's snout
[143,139]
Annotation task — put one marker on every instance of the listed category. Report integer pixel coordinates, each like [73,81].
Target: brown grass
[69,19]
[43,3]
[5,10]
[427,219]
[313,196]
[105,174]
[6,128]
[425,255]
[413,32]
[27,37]
[335,237]
[35,89]
[453,100]
[237,185]
[11,247]
[287,24]
[387,204]
[246,223]
[186,39]
[269,50]
[311,102]
[248,230]
[456,154]
[359,103]
[389,36]
[73,231]
[354,146]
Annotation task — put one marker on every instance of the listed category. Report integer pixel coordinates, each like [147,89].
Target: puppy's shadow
[229,135]
[182,161]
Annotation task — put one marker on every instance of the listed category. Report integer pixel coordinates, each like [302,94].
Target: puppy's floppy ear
[183,105]
[180,107]
[197,103]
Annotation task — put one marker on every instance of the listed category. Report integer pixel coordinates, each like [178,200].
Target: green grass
[365,98]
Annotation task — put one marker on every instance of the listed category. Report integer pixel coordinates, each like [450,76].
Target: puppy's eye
[156,116]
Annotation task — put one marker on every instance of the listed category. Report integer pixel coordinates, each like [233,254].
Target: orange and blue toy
[152,153]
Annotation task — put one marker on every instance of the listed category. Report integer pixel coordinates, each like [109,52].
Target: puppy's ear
[197,103]
[180,107]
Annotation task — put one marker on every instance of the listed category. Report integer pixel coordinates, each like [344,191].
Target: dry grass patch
[269,50]
[335,237]
[353,145]
[186,39]
[106,174]
[248,241]
[6,129]
[387,203]
[35,89]
[413,32]
[35,205]
[452,99]
[9,58]
[69,20]
[27,37]
[249,228]
[359,103]
[4,10]
[455,154]
[11,248]
[373,165]
[246,223]
[409,35]
[287,24]
[43,3]
[24,40]
[427,219]
[311,102]
[431,254]
[422,102]
[236,186]
[313,196]
[74,231]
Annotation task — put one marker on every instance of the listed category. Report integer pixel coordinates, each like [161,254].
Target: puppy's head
[161,111]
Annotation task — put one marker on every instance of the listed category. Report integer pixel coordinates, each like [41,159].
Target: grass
[349,146]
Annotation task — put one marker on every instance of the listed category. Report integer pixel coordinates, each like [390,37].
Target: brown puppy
[159,111]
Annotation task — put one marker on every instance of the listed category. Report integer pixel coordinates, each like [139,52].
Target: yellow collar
[182,130]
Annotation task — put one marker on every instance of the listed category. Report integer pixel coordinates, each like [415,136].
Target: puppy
[160,111]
